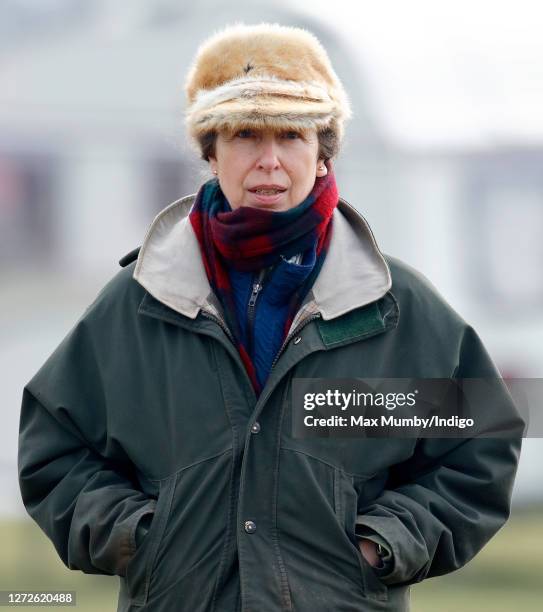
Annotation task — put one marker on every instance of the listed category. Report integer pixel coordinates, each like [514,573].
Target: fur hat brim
[272,112]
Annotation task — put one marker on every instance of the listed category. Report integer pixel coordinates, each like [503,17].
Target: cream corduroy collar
[170,266]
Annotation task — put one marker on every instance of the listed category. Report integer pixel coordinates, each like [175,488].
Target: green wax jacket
[145,410]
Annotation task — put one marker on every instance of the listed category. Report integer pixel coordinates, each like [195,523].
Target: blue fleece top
[271,307]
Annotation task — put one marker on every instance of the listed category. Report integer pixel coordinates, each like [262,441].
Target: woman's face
[267,169]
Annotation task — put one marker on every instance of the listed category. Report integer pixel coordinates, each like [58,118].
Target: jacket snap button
[297,339]
[250,527]
[255,427]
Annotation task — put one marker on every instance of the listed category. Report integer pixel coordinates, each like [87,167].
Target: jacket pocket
[373,587]
[346,505]
[140,566]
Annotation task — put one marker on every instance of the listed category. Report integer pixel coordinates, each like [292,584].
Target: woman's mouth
[268,191]
[267,194]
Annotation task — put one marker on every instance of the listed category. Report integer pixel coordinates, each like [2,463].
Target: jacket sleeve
[441,506]
[75,482]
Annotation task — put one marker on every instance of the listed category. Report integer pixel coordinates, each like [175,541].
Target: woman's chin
[263,202]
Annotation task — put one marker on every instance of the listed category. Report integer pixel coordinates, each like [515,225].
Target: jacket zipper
[300,325]
[219,322]
[251,311]
[251,308]
[252,301]
[293,333]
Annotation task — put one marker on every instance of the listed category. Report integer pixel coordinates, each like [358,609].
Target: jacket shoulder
[428,320]
[120,291]
[405,276]
[418,296]
[107,319]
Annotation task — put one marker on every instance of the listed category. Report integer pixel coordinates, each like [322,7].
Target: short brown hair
[328,144]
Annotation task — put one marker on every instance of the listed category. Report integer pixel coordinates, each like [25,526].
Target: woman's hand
[368,548]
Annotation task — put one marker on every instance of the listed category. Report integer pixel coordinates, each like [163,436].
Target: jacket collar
[171,269]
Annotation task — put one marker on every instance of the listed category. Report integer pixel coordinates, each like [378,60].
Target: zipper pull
[256,289]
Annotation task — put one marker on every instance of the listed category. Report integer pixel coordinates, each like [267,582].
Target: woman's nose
[268,155]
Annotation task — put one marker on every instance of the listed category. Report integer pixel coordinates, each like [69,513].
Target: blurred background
[443,156]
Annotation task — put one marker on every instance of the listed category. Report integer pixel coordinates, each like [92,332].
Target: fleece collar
[171,269]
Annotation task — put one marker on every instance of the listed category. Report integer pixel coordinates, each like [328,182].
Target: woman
[156,441]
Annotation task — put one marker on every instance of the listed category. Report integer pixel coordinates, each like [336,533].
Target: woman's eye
[244,134]
[291,135]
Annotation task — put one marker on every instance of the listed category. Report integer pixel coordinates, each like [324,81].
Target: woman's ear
[213,165]
[322,170]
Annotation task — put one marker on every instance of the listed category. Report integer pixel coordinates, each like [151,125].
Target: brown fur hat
[263,76]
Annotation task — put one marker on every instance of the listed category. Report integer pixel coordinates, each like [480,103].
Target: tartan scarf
[250,239]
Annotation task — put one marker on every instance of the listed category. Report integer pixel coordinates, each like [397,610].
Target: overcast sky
[448,73]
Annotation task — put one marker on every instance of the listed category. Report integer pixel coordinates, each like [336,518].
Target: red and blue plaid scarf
[250,239]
